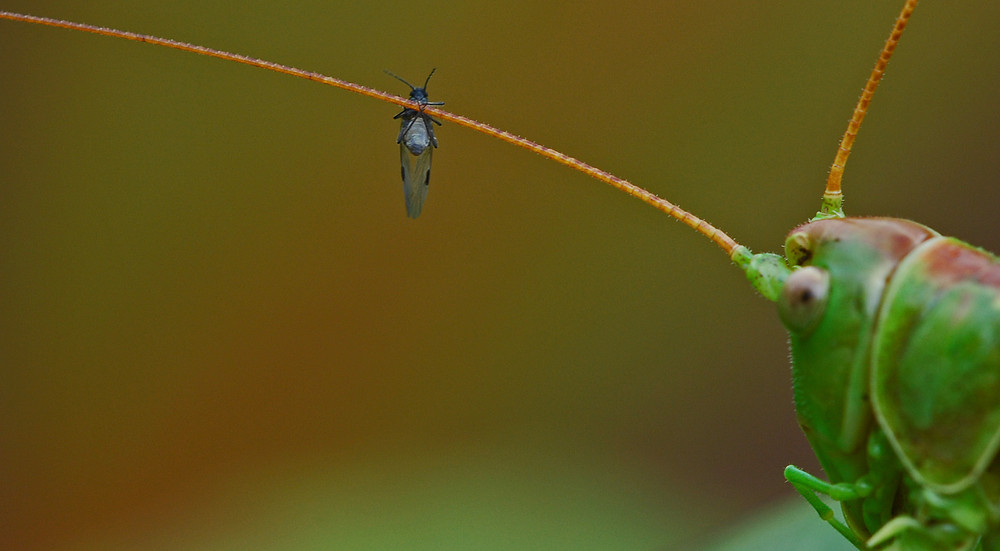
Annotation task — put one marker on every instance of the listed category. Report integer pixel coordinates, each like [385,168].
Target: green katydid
[811,246]
[896,368]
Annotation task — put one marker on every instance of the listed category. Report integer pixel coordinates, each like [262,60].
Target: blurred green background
[218,329]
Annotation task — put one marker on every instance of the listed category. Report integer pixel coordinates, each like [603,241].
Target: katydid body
[895,336]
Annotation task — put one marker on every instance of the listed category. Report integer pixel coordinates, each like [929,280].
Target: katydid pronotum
[368,184]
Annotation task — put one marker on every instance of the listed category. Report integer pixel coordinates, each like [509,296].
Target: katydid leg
[809,486]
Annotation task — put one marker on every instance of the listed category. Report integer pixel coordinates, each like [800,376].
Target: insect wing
[416,171]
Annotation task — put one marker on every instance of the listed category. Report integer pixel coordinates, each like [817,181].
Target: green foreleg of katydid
[809,486]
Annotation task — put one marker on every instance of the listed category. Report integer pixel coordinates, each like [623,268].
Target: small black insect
[416,136]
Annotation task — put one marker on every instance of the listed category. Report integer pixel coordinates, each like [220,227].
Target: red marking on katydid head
[892,237]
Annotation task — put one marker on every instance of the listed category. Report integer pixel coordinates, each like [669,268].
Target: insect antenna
[833,199]
[425,91]
[400,79]
[429,77]
[720,238]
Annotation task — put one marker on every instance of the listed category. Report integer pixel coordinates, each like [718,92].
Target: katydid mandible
[894,333]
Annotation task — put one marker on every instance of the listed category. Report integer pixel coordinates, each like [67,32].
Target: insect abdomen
[414,134]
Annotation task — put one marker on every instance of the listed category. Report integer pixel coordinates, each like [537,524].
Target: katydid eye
[803,299]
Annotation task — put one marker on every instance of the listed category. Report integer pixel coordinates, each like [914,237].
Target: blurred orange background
[218,329]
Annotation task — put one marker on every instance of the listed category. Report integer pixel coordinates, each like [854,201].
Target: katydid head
[829,288]
[829,304]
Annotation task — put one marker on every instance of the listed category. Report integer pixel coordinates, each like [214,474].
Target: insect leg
[430,129]
[808,485]
[404,129]
[904,525]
